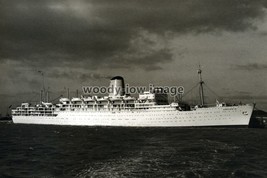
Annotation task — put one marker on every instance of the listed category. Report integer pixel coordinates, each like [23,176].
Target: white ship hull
[212,116]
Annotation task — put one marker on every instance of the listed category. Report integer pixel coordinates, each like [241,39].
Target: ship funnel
[117,87]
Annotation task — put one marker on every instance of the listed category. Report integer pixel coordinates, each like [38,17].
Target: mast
[47,95]
[201,82]
[43,82]
[41,96]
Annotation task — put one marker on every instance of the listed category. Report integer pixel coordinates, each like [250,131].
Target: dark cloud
[263,34]
[77,75]
[243,97]
[95,34]
[251,67]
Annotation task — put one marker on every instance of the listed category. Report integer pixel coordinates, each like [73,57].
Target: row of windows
[162,120]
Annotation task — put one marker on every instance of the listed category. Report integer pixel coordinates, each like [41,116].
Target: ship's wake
[160,159]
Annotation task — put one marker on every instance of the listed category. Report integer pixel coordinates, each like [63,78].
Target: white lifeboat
[47,105]
[76,100]
[64,100]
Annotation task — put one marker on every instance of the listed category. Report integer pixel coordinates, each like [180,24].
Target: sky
[87,42]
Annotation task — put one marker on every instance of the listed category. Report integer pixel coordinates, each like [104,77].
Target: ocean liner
[150,109]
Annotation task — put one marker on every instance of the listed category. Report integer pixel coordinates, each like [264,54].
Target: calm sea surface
[65,151]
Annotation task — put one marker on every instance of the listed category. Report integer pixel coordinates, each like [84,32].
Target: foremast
[201,82]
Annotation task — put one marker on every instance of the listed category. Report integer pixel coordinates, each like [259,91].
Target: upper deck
[94,103]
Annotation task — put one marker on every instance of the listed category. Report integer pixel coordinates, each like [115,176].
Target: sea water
[67,151]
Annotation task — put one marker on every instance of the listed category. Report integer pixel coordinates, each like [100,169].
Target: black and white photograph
[133,88]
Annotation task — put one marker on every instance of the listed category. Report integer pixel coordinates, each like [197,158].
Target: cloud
[251,67]
[104,34]
[76,75]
